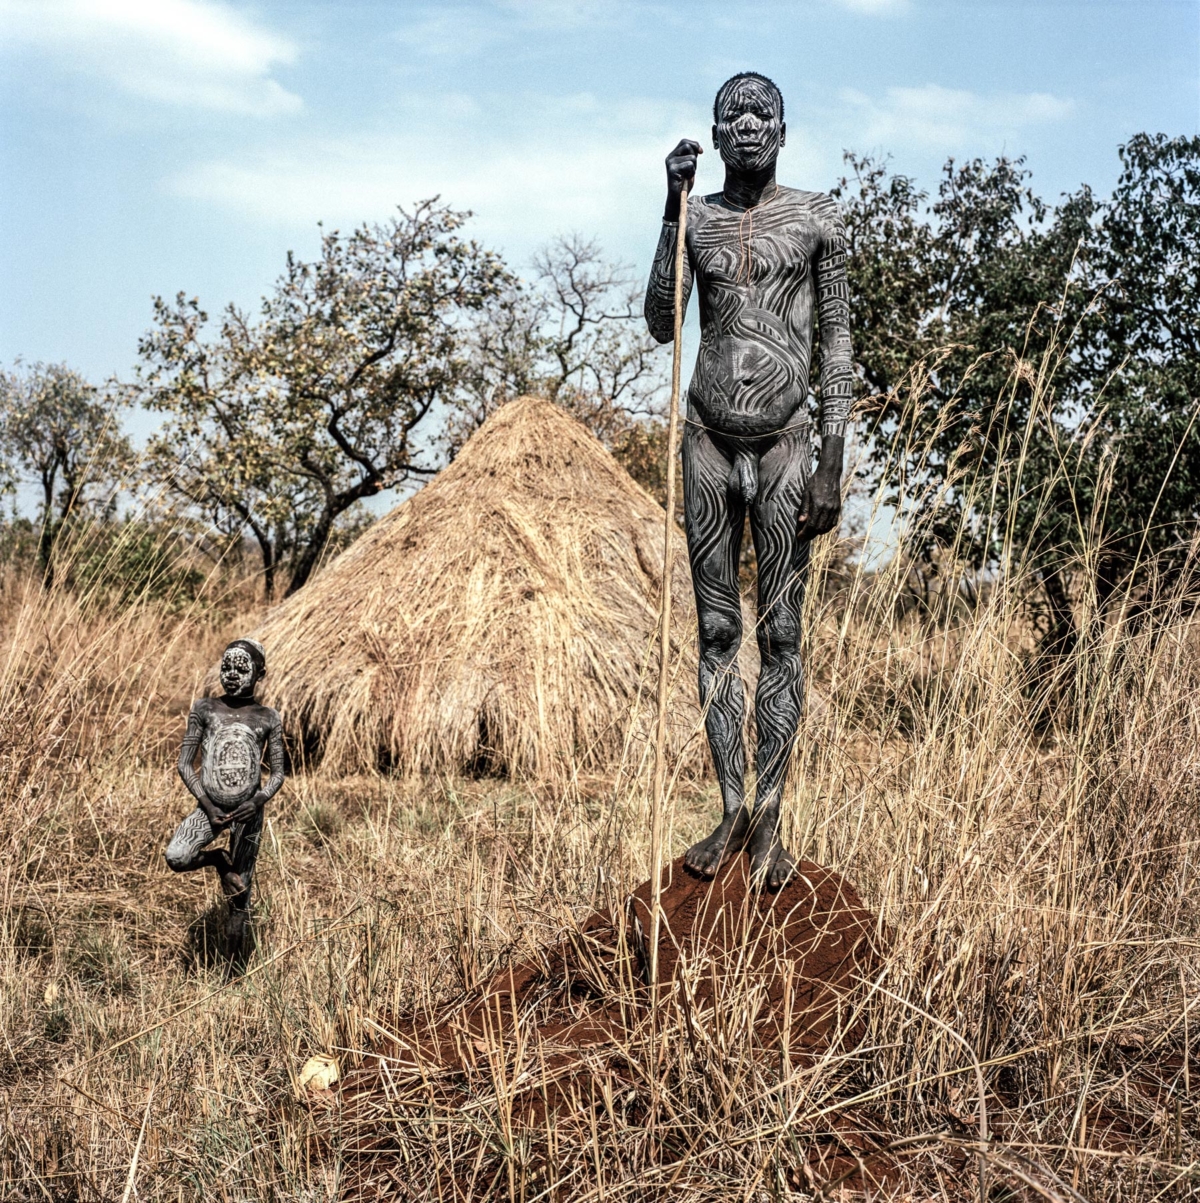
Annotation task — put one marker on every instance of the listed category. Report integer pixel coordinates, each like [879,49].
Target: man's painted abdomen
[751,374]
[749,381]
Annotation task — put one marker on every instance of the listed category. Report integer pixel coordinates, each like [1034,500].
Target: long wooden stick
[664,620]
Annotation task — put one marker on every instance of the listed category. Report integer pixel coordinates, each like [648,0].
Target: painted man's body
[766,261]
[762,274]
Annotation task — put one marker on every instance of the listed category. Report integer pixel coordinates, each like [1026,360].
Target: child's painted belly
[232,770]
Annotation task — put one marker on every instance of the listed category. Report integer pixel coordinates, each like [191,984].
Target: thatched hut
[502,619]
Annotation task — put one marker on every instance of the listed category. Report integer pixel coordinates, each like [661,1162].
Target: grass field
[1032,847]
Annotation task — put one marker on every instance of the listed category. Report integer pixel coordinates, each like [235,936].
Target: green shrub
[120,563]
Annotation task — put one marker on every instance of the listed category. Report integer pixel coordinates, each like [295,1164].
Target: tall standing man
[768,259]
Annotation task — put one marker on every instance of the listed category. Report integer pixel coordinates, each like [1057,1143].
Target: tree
[283,423]
[970,288]
[1057,359]
[1139,354]
[64,434]
[574,334]
[215,454]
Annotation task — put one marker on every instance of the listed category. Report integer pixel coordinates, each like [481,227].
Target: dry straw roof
[504,618]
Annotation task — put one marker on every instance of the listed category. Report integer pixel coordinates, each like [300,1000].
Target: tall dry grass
[1029,839]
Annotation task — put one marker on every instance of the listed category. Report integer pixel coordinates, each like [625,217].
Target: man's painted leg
[782,569]
[714,529]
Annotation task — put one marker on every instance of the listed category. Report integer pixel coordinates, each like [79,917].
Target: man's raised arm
[660,291]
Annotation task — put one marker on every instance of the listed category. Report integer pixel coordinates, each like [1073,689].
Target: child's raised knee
[178,859]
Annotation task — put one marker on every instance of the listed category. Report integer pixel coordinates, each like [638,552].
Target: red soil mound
[557,1055]
[787,961]
[804,947]
[561,1042]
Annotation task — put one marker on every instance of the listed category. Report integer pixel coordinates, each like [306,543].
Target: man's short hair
[728,86]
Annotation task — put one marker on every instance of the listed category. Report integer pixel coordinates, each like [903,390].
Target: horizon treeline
[1026,371]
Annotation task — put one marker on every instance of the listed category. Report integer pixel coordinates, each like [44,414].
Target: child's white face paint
[237,672]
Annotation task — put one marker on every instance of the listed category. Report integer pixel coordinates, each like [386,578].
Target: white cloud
[195,53]
[538,166]
[534,165]
[448,32]
[562,14]
[463,30]
[948,119]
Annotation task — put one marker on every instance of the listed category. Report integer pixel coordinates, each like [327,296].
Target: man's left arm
[823,497]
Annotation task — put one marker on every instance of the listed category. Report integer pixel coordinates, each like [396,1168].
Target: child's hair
[255,651]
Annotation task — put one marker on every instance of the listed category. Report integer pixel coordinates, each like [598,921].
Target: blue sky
[151,146]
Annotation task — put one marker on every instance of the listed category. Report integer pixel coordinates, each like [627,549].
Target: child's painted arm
[187,756]
[192,738]
[275,760]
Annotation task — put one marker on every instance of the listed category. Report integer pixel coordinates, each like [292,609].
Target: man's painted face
[749,129]
[238,675]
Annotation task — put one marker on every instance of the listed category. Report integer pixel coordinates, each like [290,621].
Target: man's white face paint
[749,129]
[237,672]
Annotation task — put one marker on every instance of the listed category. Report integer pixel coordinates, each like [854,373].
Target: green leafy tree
[63,434]
[1040,365]
[281,424]
[215,453]
[969,289]
[1139,368]
[133,561]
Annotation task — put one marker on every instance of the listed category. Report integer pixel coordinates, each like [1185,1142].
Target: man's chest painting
[731,250]
[232,764]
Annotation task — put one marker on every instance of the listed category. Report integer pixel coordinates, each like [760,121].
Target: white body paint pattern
[232,766]
[763,275]
[229,736]
[195,833]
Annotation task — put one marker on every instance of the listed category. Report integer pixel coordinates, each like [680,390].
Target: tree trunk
[265,548]
[267,552]
[46,536]
[46,550]
[309,555]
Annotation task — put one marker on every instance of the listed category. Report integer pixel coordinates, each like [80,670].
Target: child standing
[231,734]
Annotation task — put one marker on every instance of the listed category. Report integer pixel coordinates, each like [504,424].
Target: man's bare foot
[771,865]
[710,854]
